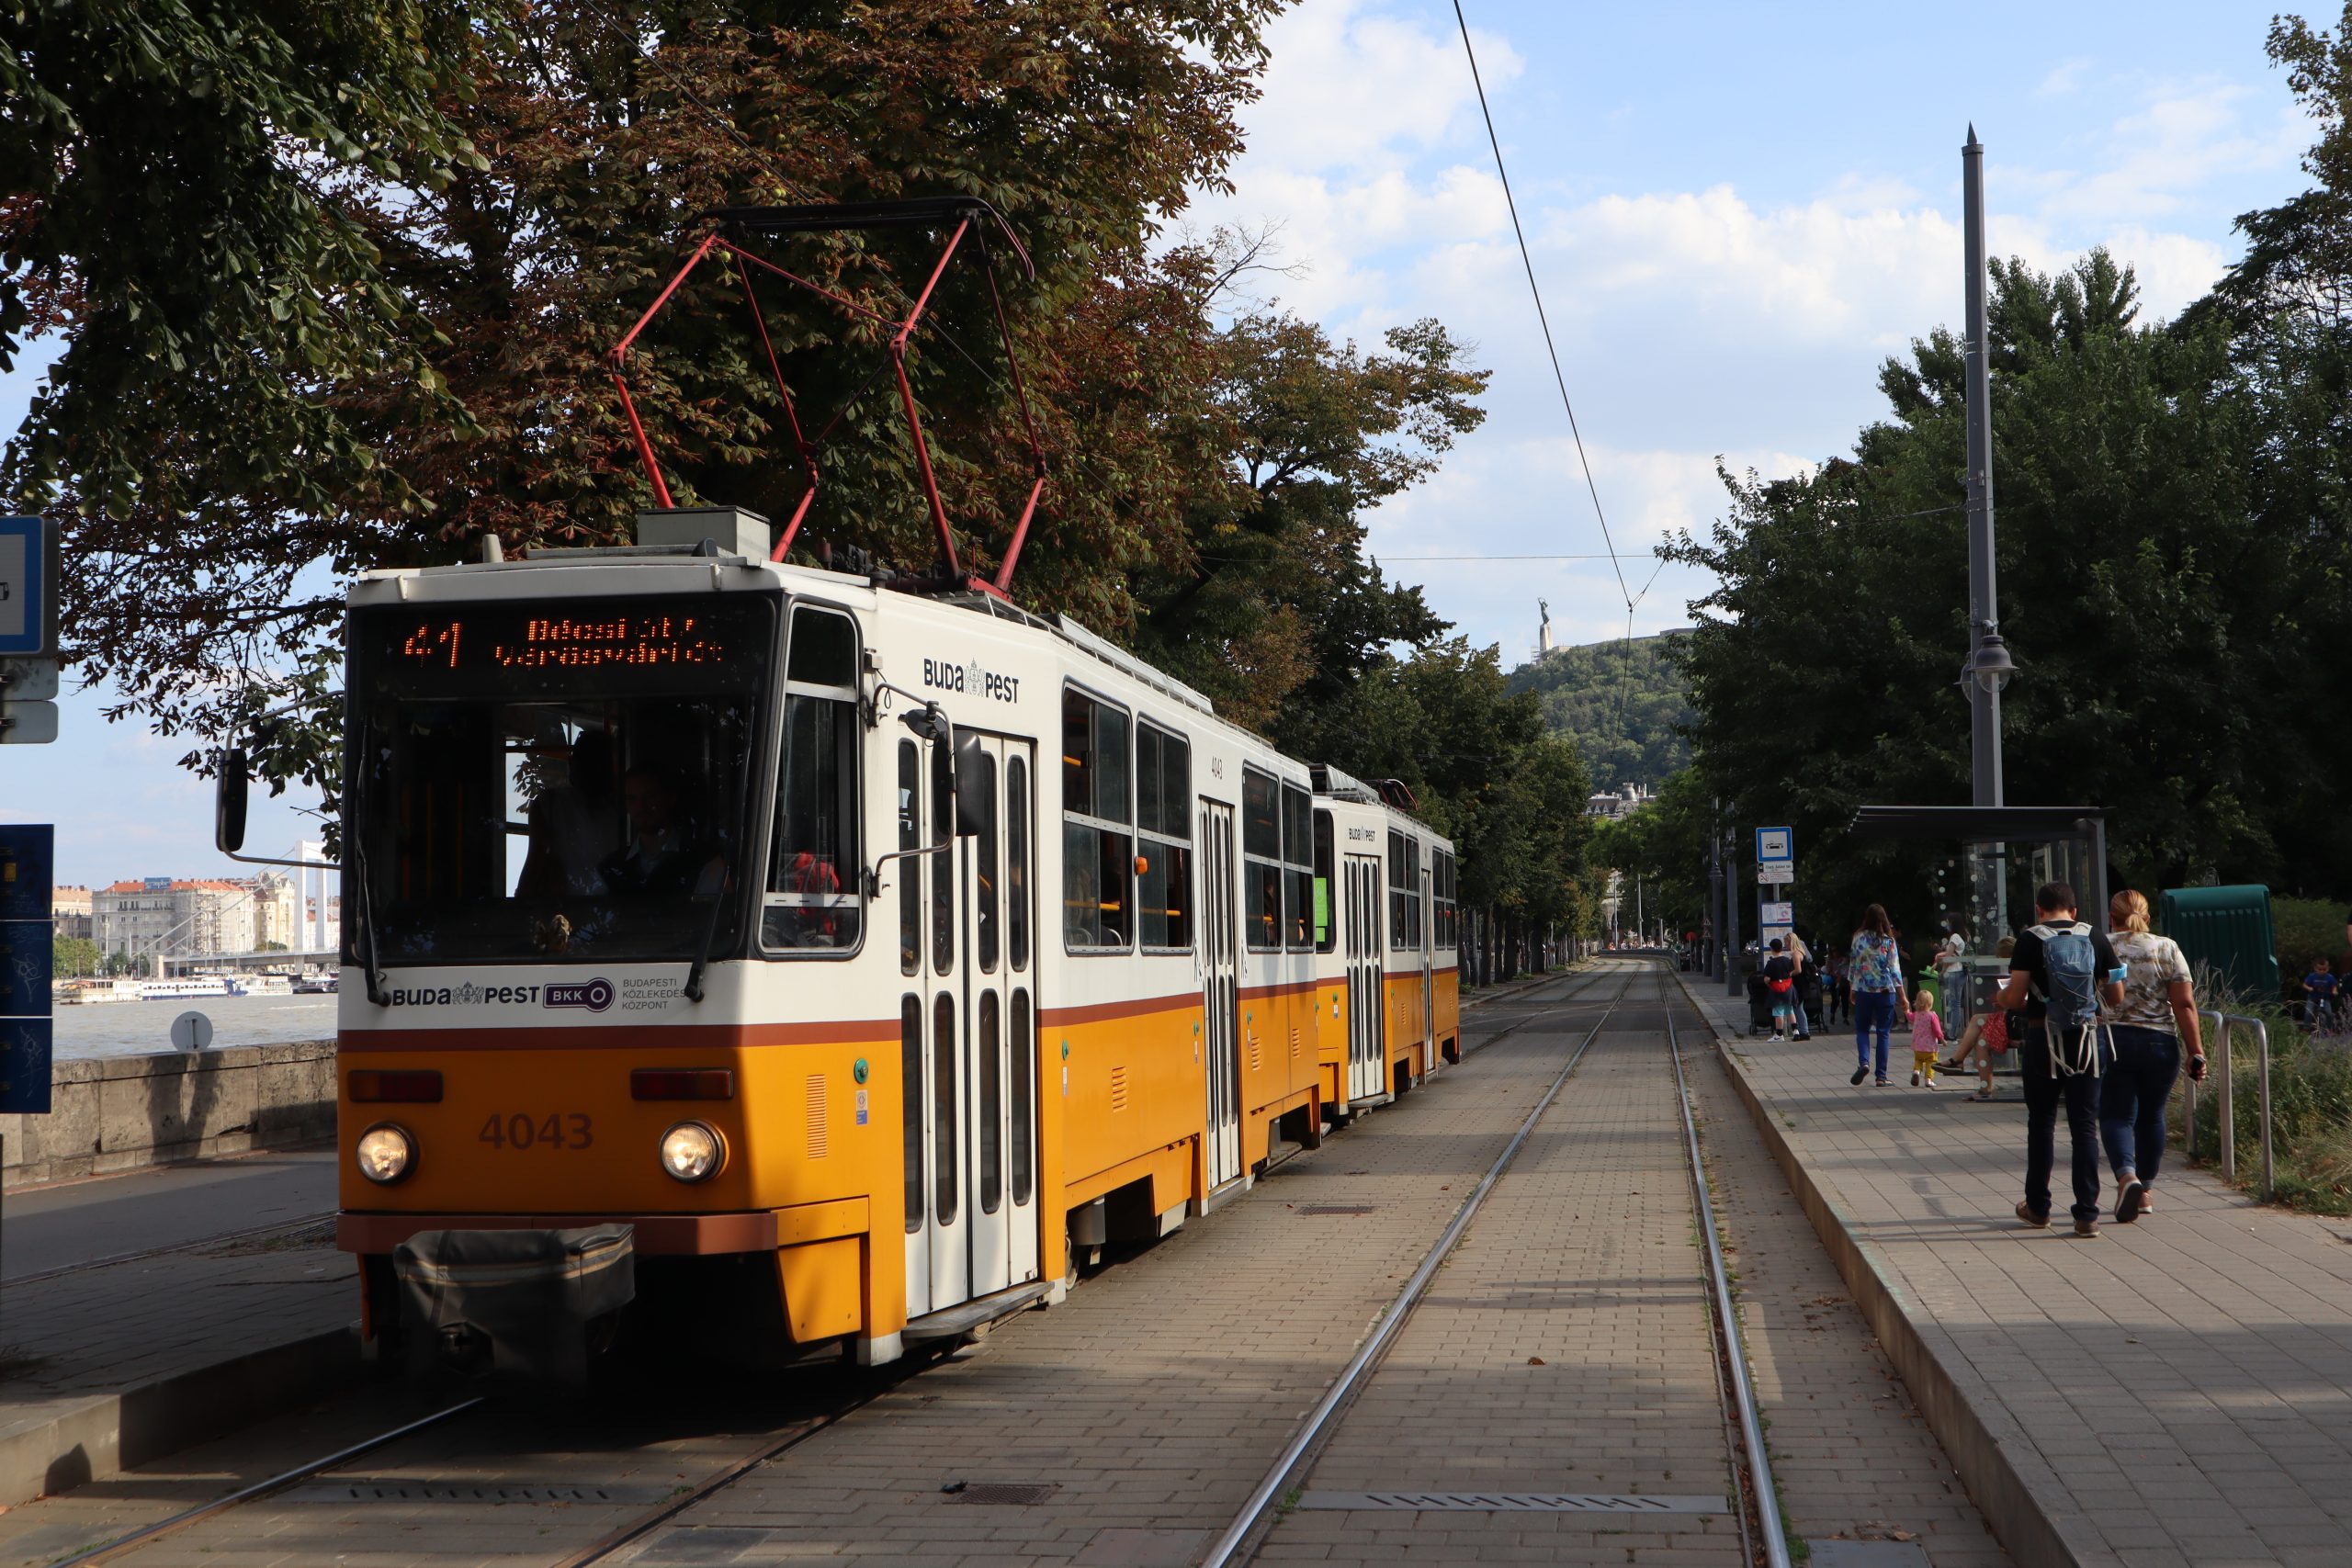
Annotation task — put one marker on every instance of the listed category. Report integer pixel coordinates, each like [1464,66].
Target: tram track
[1763,1539]
[1240,1538]
[250,1235]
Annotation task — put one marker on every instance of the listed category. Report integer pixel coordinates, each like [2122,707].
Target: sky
[1735,212]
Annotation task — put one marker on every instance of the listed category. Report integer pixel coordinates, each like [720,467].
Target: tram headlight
[693,1151]
[385,1153]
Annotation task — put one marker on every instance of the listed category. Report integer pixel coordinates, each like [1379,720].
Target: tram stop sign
[27,631]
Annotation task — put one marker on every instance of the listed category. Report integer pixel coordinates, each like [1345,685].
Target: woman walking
[1807,989]
[1874,967]
[2159,1012]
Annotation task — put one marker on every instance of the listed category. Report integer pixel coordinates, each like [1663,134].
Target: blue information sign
[27,862]
[27,568]
[1775,844]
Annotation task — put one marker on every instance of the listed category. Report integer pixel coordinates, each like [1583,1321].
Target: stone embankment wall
[114,1113]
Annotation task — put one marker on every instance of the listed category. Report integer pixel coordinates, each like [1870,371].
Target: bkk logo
[594,995]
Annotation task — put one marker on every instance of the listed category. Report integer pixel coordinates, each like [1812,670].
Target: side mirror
[974,806]
[229,801]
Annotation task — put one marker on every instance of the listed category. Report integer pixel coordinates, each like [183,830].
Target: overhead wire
[1527,260]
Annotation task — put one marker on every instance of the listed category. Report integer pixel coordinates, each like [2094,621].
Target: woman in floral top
[1875,964]
[2159,1012]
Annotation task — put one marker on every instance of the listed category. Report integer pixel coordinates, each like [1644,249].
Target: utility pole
[1714,930]
[1988,667]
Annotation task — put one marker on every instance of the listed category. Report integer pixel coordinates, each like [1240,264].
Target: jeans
[1873,1011]
[2045,1090]
[2131,1099]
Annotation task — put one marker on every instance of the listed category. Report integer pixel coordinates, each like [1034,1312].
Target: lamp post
[1989,667]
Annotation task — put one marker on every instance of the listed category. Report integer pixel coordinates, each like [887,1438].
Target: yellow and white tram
[830,963]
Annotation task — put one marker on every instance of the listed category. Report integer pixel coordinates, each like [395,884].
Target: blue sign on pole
[28,585]
[1775,844]
[27,934]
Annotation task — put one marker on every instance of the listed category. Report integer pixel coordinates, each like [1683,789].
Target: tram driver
[662,855]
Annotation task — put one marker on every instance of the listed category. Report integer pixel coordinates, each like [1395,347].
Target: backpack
[2071,964]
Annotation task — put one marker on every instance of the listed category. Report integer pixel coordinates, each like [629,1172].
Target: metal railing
[2224,1025]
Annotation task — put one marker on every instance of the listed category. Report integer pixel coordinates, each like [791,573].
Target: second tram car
[831,965]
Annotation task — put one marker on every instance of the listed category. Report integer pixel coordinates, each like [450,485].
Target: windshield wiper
[371,975]
[693,987]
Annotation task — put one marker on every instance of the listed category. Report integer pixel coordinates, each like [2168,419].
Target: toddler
[1926,1036]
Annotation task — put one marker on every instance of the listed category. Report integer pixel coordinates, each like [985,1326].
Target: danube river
[132,1029]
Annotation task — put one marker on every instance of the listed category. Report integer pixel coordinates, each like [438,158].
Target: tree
[2141,591]
[71,957]
[355,311]
[1272,608]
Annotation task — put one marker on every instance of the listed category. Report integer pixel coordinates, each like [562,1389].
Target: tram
[819,964]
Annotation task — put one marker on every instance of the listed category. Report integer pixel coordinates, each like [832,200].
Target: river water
[134,1029]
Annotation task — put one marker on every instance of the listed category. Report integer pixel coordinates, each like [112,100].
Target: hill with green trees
[1620,702]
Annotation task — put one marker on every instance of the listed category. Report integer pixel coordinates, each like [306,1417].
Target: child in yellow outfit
[1927,1036]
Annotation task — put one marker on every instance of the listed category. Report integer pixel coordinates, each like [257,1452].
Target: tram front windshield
[556,781]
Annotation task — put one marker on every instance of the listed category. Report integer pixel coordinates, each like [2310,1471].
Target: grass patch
[2311,1112]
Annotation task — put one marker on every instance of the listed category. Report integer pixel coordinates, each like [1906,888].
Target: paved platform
[2175,1394]
[144,1311]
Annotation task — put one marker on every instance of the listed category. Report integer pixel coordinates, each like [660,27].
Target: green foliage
[1620,703]
[2305,928]
[74,955]
[1666,843]
[2311,1117]
[1274,610]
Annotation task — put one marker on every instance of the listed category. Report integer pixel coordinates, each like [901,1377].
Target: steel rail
[1342,1393]
[660,1513]
[1761,1491]
[258,1490]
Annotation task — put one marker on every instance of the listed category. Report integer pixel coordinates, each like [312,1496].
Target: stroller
[1759,1006]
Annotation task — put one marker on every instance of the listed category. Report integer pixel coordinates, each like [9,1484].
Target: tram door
[1220,994]
[1367,1070]
[979,1232]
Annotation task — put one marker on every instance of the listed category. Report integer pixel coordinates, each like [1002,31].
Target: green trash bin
[2229,928]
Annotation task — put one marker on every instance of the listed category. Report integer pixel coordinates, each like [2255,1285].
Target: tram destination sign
[617,646]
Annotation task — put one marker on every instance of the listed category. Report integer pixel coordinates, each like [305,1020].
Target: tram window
[1164,822]
[1025,1063]
[947,1110]
[1016,858]
[909,870]
[1449,908]
[943,863]
[1404,891]
[1098,840]
[911,1105]
[991,1091]
[991,896]
[813,899]
[1261,853]
[1326,863]
[1298,873]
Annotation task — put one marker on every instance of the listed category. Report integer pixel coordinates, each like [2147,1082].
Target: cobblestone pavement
[2172,1394]
[103,1330]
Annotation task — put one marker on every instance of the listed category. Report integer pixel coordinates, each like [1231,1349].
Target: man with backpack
[2060,972]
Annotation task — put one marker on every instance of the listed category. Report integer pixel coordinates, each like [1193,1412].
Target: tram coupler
[533,1305]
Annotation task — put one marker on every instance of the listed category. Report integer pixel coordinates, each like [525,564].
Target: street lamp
[1989,665]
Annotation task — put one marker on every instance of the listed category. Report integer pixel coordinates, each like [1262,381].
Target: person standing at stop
[1875,968]
[2059,973]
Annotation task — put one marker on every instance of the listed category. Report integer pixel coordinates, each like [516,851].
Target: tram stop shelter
[2005,853]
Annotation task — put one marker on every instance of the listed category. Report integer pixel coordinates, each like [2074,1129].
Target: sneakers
[2128,1207]
[2038,1222]
[1778,1035]
[1860,1074]
[1915,1080]
[2086,1230]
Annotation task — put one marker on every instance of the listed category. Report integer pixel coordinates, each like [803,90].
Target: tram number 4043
[557,1130]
